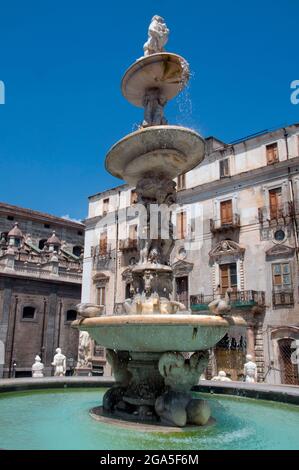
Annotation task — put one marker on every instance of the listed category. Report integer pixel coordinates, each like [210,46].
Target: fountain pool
[59,419]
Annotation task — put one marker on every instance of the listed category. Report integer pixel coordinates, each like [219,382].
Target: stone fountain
[149,344]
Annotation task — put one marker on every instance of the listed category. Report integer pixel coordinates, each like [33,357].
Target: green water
[58,419]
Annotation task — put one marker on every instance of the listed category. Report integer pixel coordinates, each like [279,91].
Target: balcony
[221,225]
[281,213]
[283,298]
[129,244]
[239,299]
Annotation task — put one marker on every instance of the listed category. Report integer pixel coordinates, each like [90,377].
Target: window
[77,250]
[181,225]
[272,153]
[10,217]
[181,181]
[224,168]
[275,203]
[105,206]
[71,315]
[42,243]
[98,351]
[28,313]
[80,233]
[103,243]
[47,225]
[281,276]
[228,277]
[101,295]
[134,197]
[226,212]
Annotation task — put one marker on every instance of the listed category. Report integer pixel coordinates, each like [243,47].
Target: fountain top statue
[157,36]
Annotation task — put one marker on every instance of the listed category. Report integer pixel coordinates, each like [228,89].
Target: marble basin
[166,71]
[158,333]
[164,150]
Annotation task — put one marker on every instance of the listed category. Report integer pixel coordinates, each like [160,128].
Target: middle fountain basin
[159,333]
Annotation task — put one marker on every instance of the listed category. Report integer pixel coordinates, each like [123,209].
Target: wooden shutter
[181,225]
[103,243]
[226,211]
[275,202]
[105,206]
[224,274]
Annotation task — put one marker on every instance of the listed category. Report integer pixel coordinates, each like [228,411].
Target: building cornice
[16,211]
[239,181]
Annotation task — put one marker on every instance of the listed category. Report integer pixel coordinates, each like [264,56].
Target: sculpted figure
[181,374]
[88,310]
[176,406]
[157,36]
[37,368]
[59,362]
[84,350]
[250,370]
[220,306]
[153,103]
[221,377]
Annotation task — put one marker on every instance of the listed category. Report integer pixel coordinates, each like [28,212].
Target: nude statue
[157,36]
[59,362]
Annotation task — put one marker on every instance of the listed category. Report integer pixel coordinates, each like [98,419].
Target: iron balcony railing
[218,225]
[278,213]
[128,244]
[283,298]
[238,299]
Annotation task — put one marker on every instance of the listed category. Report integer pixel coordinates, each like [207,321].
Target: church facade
[41,259]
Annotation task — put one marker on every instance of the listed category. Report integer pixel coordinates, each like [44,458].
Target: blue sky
[62,63]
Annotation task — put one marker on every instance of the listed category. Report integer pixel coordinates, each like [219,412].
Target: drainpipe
[59,324]
[42,347]
[116,250]
[291,188]
[13,338]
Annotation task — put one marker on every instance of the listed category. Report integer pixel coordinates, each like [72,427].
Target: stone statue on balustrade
[250,370]
[59,362]
[37,368]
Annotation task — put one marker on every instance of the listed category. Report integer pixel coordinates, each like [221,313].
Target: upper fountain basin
[158,333]
[165,71]
[161,150]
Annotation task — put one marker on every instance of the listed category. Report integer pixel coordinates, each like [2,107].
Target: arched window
[77,250]
[42,243]
[28,313]
[71,315]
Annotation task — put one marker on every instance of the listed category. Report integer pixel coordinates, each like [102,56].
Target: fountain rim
[144,61]
[192,156]
[160,319]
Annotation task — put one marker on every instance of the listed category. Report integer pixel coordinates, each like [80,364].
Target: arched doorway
[288,370]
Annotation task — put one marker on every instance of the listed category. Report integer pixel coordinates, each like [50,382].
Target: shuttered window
[272,153]
[224,168]
[181,225]
[226,212]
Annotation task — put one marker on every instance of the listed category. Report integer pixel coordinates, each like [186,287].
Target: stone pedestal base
[155,388]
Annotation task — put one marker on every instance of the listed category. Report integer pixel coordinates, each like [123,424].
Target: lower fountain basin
[59,419]
[169,150]
[158,333]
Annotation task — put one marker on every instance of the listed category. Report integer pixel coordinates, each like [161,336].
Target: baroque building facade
[236,228]
[41,259]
